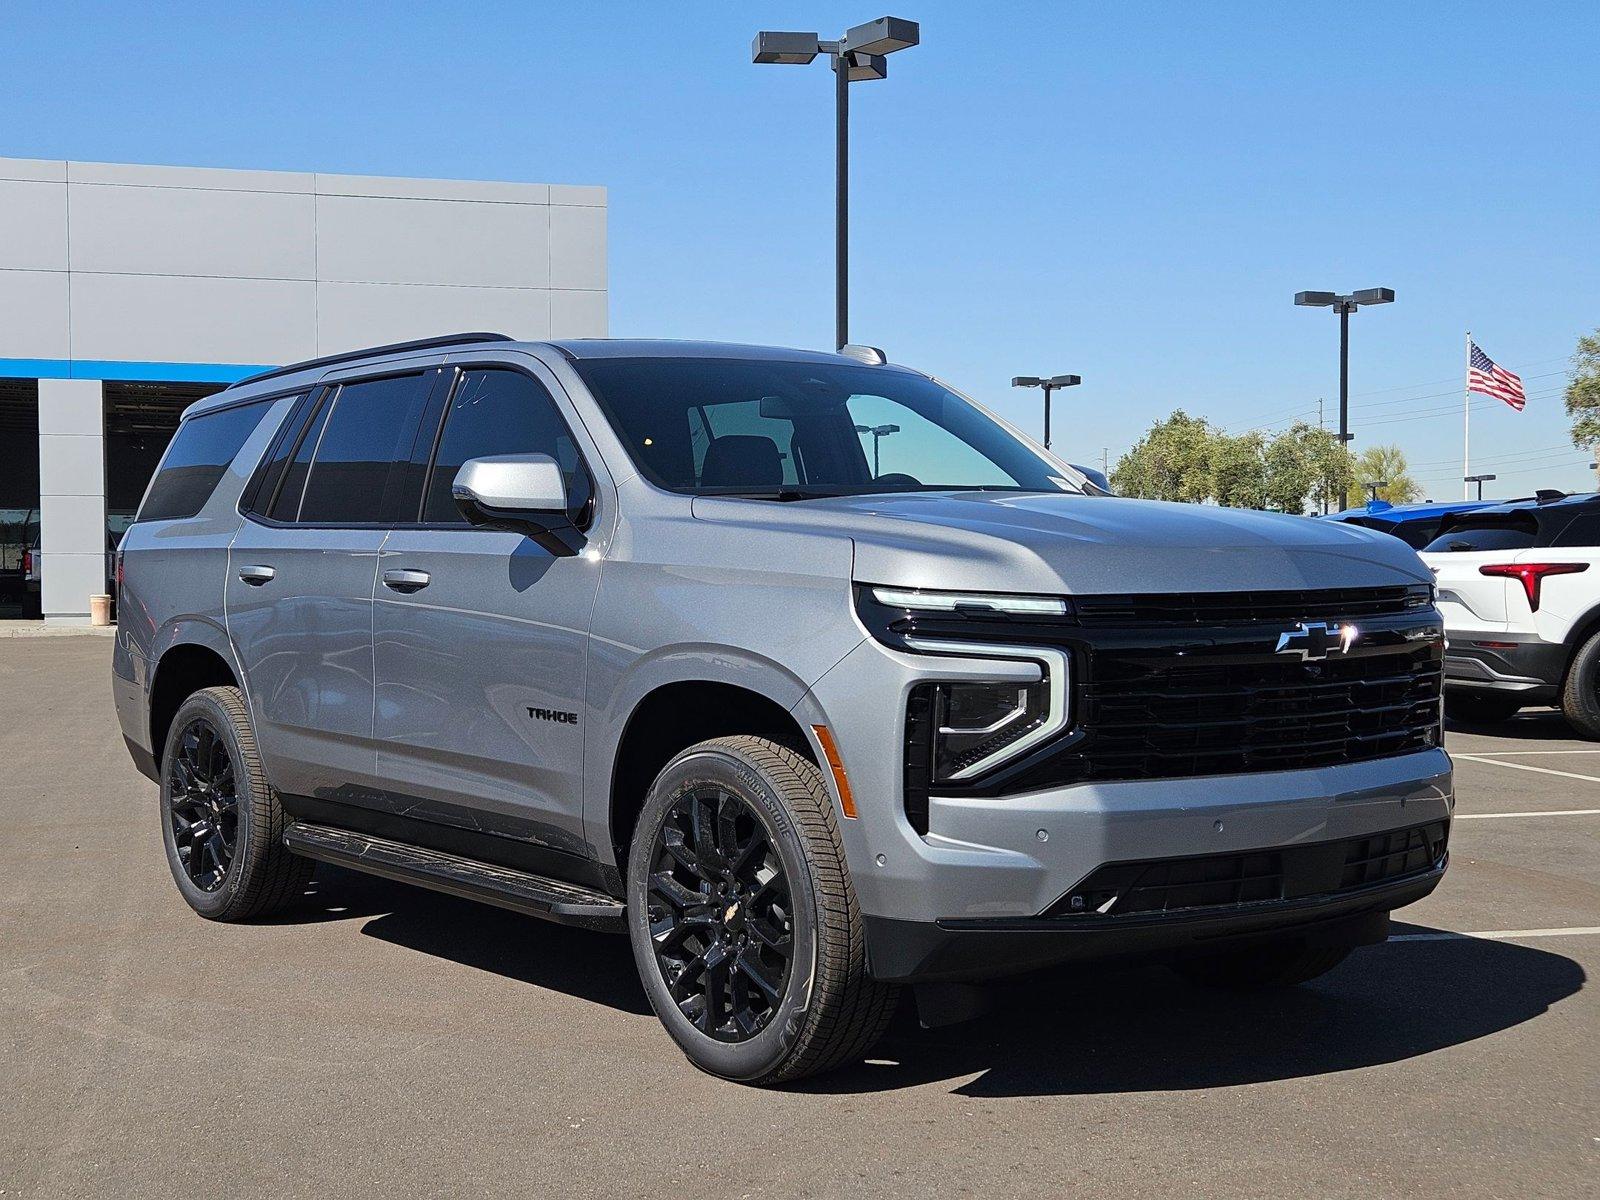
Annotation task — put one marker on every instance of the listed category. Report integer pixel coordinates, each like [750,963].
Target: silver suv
[805,671]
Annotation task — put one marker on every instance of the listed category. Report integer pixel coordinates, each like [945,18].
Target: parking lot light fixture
[1048,384]
[878,432]
[1344,306]
[861,55]
[1480,480]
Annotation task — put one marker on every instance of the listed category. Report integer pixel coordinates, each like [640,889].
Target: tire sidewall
[761,1054]
[1582,701]
[218,903]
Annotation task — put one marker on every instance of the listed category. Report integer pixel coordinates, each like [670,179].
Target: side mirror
[523,493]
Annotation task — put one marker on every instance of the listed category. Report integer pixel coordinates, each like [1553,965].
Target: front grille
[1175,700]
[1247,608]
[1154,716]
[1220,882]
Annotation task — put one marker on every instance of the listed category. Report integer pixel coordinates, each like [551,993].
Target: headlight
[974,726]
[975,722]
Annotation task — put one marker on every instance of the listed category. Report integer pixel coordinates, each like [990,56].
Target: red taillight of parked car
[1531,575]
[27,563]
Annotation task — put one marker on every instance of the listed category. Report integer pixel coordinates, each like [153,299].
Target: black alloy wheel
[720,915]
[205,804]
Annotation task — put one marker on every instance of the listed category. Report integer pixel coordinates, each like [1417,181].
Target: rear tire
[1271,966]
[1480,708]
[743,919]
[1580,696]
[221,822]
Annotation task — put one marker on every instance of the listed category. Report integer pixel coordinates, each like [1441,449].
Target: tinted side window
[500,412]
[265,485]
[287,505]
[195,462]
[1581,531]
[367,429]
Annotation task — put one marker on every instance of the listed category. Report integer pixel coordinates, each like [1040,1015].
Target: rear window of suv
[194,464]
[1503,531]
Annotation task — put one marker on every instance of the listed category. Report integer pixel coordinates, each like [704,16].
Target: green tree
[1239,470]
[1171,462]
[1583,392]
[1386,463]
[1304,464]
[1332,466]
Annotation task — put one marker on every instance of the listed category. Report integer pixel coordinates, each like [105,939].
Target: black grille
[1155,716]
[1247,608]
[1226,881]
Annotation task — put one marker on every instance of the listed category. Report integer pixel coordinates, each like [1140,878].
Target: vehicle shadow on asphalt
[1102,1032]
[1532,725]
[597,967]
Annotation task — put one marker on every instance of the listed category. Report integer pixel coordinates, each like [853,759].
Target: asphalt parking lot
[389,1041]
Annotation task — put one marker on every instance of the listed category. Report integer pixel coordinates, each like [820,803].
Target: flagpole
[1466,421]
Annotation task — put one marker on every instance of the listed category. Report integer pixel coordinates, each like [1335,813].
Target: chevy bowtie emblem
[1312,640]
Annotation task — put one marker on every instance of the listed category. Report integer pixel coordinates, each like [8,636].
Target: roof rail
[448,339]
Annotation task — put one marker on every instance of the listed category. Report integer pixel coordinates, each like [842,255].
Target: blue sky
[1132,192]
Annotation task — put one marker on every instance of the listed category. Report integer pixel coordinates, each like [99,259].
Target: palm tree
[1386,465]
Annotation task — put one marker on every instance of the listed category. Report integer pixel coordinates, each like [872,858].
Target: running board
[552,899]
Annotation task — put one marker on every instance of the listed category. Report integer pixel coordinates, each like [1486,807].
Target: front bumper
[958,901]
[1505,662]
[967,950]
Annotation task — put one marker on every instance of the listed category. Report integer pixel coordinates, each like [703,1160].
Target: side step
[552,899]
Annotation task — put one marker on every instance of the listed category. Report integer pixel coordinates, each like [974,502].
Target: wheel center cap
[733,916]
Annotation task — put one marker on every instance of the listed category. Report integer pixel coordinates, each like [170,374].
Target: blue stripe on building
[135,372]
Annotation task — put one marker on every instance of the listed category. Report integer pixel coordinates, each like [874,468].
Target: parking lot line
[1557,812]
[1526,767]
[1498,935]
[1525,754]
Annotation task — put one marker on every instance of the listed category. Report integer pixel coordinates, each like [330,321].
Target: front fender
[693,663]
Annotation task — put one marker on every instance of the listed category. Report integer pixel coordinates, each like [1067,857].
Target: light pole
[862,53]
[1372,489]
[1048,385]
[878,432]
[1344,306]
[1480,480]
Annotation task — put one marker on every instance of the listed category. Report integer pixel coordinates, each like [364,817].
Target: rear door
[300,579]
[481,639]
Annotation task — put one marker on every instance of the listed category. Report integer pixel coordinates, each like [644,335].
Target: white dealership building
[128,291]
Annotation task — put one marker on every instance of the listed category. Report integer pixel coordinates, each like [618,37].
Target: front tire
[221,821]
[1480,708]
[743,919]
[1275,965]
[1580,696]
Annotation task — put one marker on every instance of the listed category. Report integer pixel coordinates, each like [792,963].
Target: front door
[480,644]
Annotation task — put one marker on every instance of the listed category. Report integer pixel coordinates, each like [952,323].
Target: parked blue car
[1414,524]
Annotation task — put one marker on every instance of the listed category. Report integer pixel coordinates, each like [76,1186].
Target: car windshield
[799,430]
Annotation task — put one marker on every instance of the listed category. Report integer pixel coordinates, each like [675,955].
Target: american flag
[1489,378]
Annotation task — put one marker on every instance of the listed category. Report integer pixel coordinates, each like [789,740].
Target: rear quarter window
[1582,530]
[201,452]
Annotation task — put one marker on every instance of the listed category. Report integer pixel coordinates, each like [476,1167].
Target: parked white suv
[1519,589]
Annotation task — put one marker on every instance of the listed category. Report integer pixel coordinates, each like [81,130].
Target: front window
[712,426]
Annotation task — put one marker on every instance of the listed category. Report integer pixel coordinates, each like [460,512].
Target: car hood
[1029,542]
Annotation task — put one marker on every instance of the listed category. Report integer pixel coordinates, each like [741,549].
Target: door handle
[257,575]
[406,581]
